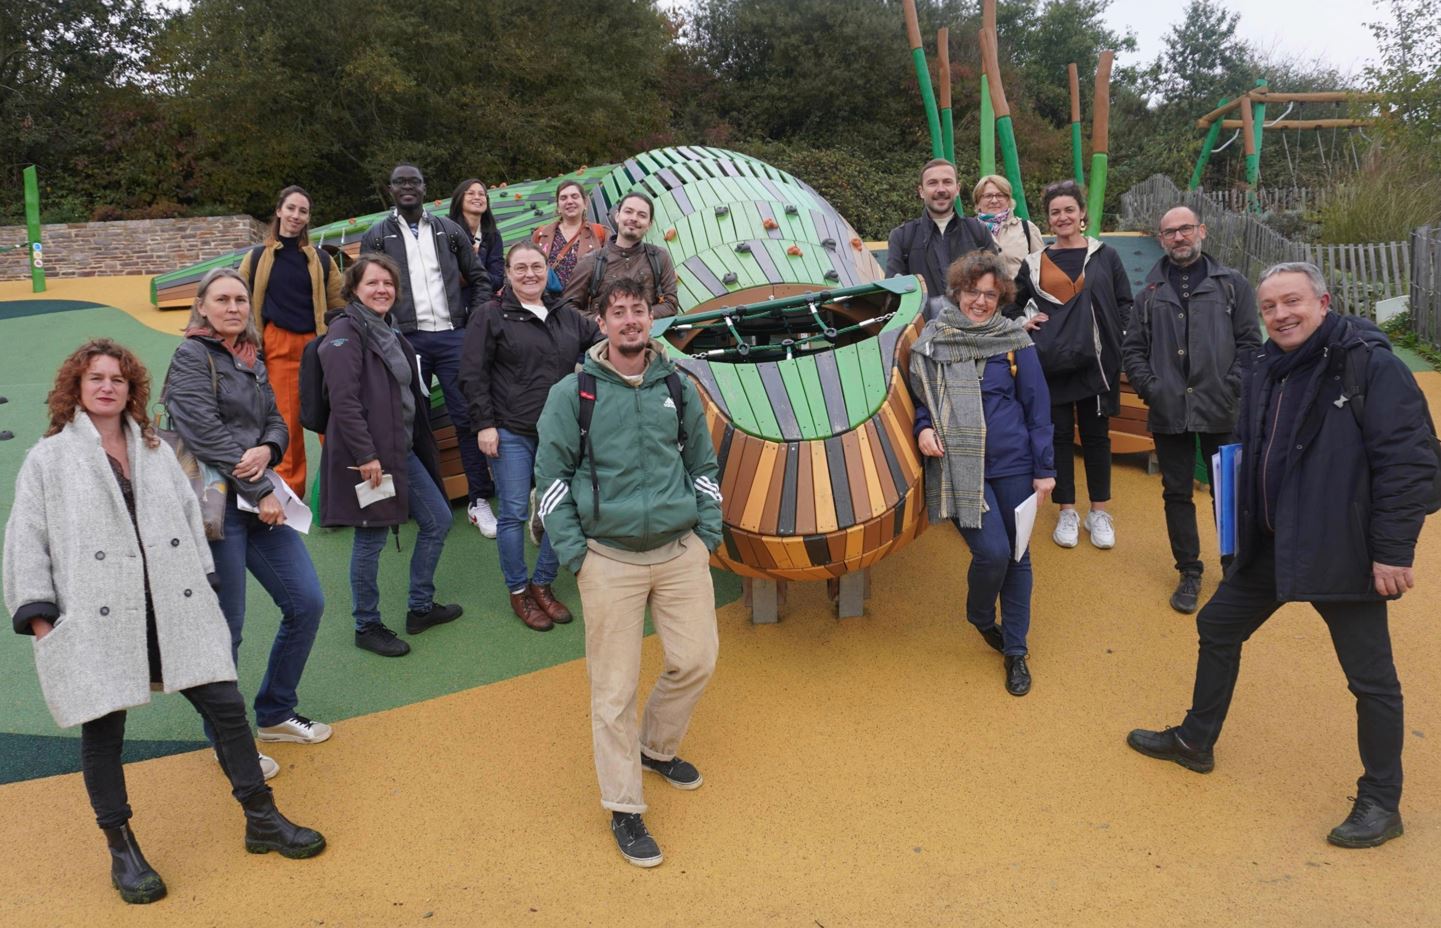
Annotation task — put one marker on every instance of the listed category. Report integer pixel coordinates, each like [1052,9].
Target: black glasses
[407,182]
[1179,232]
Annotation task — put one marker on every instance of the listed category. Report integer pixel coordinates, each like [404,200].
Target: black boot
[129,871]
[267,830]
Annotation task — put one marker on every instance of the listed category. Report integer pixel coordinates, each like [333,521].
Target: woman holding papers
[220,404]
[983,422]
[378,467]
[106,566]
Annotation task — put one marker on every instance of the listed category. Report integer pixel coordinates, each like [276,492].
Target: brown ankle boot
[551,606]
[529,613]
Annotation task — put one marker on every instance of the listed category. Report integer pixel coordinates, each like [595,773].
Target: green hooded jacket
[651,493]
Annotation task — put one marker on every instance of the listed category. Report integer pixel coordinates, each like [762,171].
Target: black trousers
[1095,430]
[1244,601]
[1177,456]
[102,739]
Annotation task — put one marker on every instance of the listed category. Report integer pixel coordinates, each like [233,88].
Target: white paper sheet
[297,514]
[1025,521]
[367,494]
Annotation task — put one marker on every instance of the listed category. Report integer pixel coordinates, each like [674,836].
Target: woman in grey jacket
[219,399]
[106,566]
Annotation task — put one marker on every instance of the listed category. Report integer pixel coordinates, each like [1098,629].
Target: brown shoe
[531,614]
[551,606]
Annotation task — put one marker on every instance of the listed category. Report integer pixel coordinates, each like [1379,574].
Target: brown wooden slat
[856,476]
[756,499]
[805,493]
[771,510]
[736,485]
[823,497]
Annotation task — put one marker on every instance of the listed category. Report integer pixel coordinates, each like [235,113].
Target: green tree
[1408,73]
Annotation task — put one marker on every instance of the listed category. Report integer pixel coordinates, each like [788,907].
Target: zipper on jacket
[1266,458]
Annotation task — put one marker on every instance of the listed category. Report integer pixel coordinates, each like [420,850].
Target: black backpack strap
[255,254]
[324,260]
[652,254]
[585,386]
[1353,382]
[677,396]
[596,274]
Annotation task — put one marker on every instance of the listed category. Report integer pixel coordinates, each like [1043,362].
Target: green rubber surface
[487,644]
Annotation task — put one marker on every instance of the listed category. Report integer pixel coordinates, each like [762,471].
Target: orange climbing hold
[857,244]
[794,251]
[770,223]
[670,234]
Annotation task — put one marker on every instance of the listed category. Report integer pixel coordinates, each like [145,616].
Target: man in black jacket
[1190,327]
[1330,501]
[928,245]
[436,262]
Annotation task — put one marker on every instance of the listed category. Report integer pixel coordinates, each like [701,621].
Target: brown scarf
[245,352]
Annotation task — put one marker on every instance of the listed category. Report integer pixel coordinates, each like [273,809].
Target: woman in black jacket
[379,434]
[470,209]
[1076,298]
[218,397]
[515,351]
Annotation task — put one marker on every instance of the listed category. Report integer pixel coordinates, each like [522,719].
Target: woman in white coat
[107,566]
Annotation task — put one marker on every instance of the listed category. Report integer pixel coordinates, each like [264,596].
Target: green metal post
[1212,134]
[928,101]
[32,227]
[1012,159]
[988,129]
[1253,163]
[1078,159]
[1097,194]
[948,135]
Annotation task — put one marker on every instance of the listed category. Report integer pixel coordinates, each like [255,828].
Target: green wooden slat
[734,394]
[848,362]
[799,402]
[873,373]
[712,229]
[764,418]
[686,287]
[699,235]
[776,248]
[726,224]
[810,378]
[743,265]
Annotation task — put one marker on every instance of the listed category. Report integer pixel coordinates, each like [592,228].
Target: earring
[1083,225]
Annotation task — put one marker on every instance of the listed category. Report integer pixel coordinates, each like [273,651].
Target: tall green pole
[1078,163]
[923,77]
[1213,132]
[1100,145]
[32,228]
[943,77]
[988,129]
[1259,116]
[1005,132]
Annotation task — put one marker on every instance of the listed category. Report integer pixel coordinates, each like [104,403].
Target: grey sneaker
[1188,591]
[1068,528]
[678,773]
[635,843]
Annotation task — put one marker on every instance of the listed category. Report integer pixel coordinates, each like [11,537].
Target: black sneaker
[1368,825]
[1167,745]
[635,843]
[380,640]
[417,622]
[678,773]
[993,637]
[1187,592]
[1018,675]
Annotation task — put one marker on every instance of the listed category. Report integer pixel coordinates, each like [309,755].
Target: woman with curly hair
[106,565]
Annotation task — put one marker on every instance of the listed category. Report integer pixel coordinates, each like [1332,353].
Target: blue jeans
[279,560]
[440,359]
[512,470]
[431,511]
[993,573]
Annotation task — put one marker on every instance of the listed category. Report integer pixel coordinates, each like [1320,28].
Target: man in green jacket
[631,502]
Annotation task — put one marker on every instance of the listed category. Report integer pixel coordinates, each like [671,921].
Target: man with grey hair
[1330,501]
[1190,327]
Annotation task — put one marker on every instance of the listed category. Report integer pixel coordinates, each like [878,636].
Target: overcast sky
[1334,30]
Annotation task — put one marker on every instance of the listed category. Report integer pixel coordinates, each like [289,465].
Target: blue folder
[1224,465]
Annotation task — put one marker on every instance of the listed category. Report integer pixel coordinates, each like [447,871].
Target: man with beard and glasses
[1190,328]
[625,255]
[437,263]
[630,497]
[929,244]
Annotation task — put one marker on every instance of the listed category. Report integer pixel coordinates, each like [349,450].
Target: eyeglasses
[994,195]
[1179,232]
[407,182]
[990,296]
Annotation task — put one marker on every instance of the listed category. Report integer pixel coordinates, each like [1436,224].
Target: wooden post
[943,76]
[1212,134]
[1100,144]
[923,77]
[1248,140]
[988,112]
[32,228]
[1078,158]
[1258,114]
[1004,130]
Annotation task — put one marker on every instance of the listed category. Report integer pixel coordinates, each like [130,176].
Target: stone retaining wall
[141,246]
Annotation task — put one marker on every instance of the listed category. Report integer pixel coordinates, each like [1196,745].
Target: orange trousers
[283,349]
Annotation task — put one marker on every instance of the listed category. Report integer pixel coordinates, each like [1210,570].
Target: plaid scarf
[947,363]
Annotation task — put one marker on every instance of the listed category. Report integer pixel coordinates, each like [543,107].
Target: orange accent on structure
[669,237]
[770,223]
[857,244]
[794,251]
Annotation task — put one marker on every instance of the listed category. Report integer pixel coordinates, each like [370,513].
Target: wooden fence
[1425,298]
[1358,275]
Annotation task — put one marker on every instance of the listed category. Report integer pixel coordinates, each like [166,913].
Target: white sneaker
[482,518]
[537,527]
[1068,529]
[1102,529]
[297,729]
[268,767]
